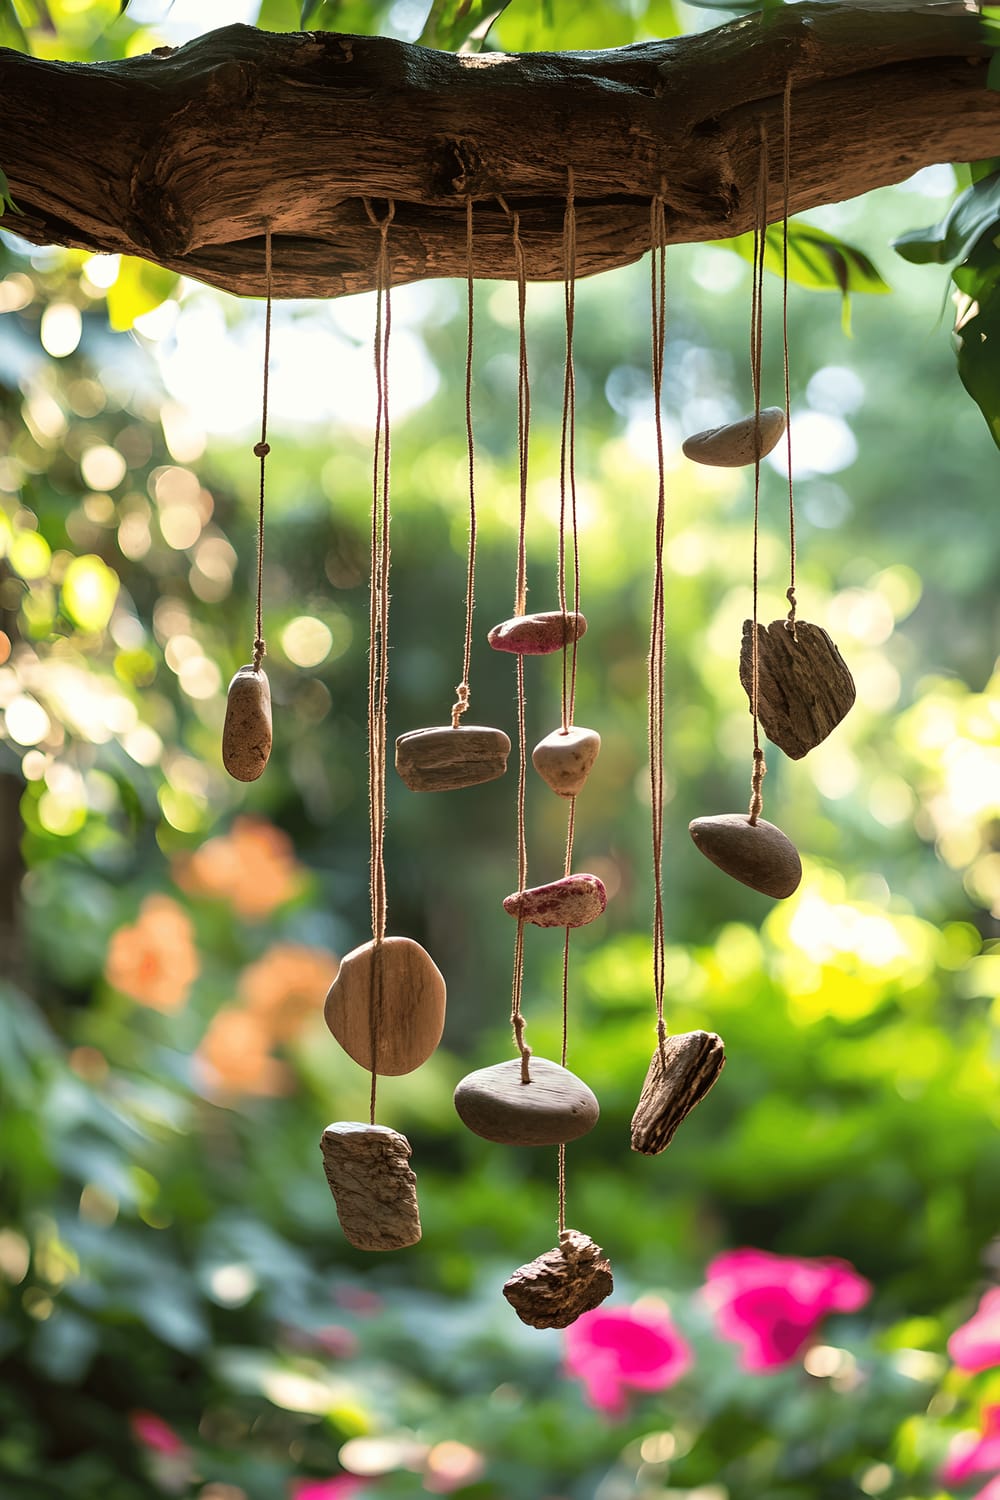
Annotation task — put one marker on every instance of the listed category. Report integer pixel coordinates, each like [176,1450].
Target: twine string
[756,351]
[786,190]
[567,456]
[378,624]
[461,703]
[261,450]
[658,298]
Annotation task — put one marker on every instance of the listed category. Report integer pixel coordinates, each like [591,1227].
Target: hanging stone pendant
[553,1108]
[246,734]
[538,635]
[373,1185]
[388,997]
[804,687]
[553,1290]
[758,854]
[733,446]
[572,901]
[565,758]
[675,1083]
[445,759]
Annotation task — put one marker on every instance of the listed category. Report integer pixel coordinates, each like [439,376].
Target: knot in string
[756,782]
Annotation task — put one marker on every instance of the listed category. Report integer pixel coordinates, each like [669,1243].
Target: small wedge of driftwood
[804,687]
[373,1185]
[554,1289]
[675,1083]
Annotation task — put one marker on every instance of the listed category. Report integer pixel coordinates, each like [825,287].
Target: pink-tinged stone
[572,901]
[538,635]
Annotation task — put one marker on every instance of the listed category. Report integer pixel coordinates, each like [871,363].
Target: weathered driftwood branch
[182,157]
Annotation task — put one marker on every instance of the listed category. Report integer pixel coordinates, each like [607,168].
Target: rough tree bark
[184,155]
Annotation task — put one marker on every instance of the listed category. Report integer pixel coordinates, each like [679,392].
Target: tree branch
[183,156]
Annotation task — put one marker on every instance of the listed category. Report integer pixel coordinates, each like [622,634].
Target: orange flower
[233,1057]
[287,987]
[155,960]
[253,867]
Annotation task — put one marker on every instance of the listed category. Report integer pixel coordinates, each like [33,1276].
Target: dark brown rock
[554,1289]
[804,687]
[676,1081]
[757,854]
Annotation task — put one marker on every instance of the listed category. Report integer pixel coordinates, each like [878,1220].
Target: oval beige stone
[388,999]
[554,1107]
[246,733]
[445,759]
[565,758]
[757,854]
[734,445]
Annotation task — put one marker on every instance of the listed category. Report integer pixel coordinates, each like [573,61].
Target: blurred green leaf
[952,238]
[816,259]
[11,29]
[977,330]
[138,288]
[6,201]
[451,23]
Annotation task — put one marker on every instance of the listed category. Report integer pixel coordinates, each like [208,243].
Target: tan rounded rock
[732,446]
[757,854]
[388,999]
[572,901]
[565,758]
[554,1107]
[444,759]
[538,634]
[246,733]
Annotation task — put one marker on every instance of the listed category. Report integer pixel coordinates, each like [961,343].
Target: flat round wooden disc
[444,759]
[390,992]
[757,854]
[553,1108]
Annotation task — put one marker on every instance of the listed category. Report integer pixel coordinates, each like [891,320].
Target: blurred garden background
[179,1312]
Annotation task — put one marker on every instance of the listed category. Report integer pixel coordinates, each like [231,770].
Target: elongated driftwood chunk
[804,687]
[758,854]
[736,444]
[537,635]
[572,901]
[442,760]
[553,1108]
[246,733]
[373,1185]
[565,758]
[386,1005]
[554,1289]
[675,1083]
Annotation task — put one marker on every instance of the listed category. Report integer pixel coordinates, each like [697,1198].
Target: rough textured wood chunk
[388,999]
[734,445]
[758,854]
[246,733]
[572,901]
[444,759]
[804,687]
[538,634]
[554,1289]
[374,1188]
[675,1083]
[565,758]
[182,157]
[553,1108]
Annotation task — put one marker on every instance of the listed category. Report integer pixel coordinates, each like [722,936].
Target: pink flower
[620,1349]
[772,1304]
[341,1487]
[972,1453]
[976,1344]
[990,1491]
[152,1432]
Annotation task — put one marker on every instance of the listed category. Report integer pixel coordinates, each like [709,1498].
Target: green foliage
[6,201]
[815,259]
[451,24]
[138,288]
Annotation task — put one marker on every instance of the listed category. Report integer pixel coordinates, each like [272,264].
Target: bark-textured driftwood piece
[553,1108]
[738,443]
[572,901]
[537,635]
[183,157]
[373,1185]
[246,733]
[555,1288]
[444,759]
[758,854]
[565,758]
[804,687]
[387,1003]
[675,1083]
